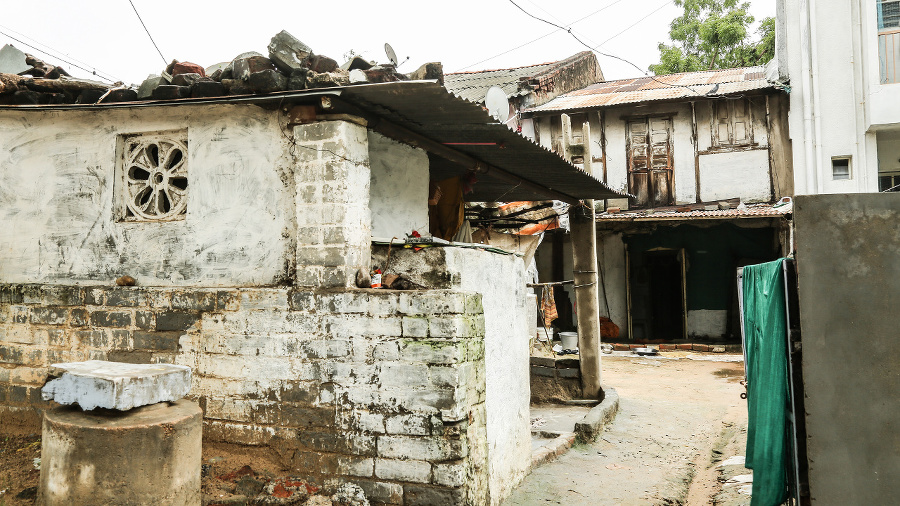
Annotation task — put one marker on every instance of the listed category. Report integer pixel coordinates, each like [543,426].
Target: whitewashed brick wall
[385,389]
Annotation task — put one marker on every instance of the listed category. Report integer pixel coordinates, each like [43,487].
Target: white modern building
[841,61]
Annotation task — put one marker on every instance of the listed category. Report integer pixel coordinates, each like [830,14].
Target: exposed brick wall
[385,389]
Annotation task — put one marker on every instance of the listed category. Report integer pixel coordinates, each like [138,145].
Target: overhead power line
[595,49]
[165,61]
[67,62]
[55,53]
[541,37]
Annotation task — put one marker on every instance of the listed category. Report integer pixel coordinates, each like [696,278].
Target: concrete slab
[115,385]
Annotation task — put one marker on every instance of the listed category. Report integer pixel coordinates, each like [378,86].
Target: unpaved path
[677,419]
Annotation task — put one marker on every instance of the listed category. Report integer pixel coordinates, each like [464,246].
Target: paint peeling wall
[500,279]
[57,199]
[725,171]
[501,282]
[399,187]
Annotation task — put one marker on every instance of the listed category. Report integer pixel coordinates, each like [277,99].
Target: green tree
[714,34]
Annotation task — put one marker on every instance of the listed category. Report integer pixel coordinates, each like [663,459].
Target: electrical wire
[594,49]
[102,75]
[165,62]
[67,62]
[541,37]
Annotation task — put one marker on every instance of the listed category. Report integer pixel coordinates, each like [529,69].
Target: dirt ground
[678,420]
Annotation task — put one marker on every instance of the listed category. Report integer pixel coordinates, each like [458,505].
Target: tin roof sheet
[709,83]
[700,211]
[473,86]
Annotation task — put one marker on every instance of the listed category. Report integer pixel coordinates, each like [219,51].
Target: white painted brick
[387,351]
[403,375]
[370,422]
[410,425]
[333,348]
[355,466]
[415,326]
[362,349]
[268,298]
[433,352]
[345,326]
[347,373]
[450,474]
[450,376]
[425,448]
[433,302]
[416,471]
[454,326]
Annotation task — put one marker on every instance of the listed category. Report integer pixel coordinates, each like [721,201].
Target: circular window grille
[156,179]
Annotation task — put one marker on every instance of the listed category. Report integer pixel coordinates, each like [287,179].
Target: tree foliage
[714,34]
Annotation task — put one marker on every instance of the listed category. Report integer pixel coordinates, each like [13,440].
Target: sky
[107,37]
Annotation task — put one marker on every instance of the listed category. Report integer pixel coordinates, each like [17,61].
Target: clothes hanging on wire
[548,306]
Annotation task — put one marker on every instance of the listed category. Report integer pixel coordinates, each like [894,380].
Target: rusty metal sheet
[675,86]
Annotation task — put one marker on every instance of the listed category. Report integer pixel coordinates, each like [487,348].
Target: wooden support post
[584,255]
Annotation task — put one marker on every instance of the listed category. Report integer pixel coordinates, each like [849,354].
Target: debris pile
[246,487]
[290,65]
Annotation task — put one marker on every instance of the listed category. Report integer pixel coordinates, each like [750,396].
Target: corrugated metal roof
[695,212]
[428,109]
[710,83]
[473,86]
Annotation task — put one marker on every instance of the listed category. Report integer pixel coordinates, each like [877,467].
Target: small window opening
[840,167]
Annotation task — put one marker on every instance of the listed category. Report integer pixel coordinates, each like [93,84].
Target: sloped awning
[429,110]
[459,135]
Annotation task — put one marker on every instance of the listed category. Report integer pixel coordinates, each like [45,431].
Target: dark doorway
[656,295]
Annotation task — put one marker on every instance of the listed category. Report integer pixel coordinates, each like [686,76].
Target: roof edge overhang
[538,112]
[541,171]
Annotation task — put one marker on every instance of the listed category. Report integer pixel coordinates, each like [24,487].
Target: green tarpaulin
[765,340]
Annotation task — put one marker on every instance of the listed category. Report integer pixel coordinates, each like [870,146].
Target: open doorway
[656,295]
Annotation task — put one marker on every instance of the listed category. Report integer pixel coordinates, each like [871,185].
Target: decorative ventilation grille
[155,176]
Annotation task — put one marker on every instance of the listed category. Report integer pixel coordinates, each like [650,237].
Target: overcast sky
[107,36]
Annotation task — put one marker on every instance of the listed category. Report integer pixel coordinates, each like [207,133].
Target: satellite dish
[389,51]
[497,103]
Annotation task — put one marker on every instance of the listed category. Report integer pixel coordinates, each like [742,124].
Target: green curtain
[765,338]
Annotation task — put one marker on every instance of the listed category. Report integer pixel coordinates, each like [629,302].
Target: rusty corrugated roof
[709,83]
[699,211]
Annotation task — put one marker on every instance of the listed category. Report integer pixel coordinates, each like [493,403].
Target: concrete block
[410,425]
[287,52]
[104,458]
[114,385]
[426,448]
[449,474]
[423,495]
[416,471]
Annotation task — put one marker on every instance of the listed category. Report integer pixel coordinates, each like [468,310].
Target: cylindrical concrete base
[147,455]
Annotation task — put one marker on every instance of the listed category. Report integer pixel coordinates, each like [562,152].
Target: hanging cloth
[765,337]
[548,306]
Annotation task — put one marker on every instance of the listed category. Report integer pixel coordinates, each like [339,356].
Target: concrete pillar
[334,225]
[584,255]
[147,455]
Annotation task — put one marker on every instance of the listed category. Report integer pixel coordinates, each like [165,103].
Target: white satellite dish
[389,51]
[497,104]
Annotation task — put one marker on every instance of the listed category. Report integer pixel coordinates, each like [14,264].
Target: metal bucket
[569,340]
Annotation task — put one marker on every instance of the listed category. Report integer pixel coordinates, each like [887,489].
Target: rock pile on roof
[290,65]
